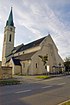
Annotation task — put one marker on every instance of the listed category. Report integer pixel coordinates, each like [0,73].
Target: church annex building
[25,58]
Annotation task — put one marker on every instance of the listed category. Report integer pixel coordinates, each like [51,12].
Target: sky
[34,19]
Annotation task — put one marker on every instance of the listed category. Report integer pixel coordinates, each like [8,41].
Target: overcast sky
[34,19]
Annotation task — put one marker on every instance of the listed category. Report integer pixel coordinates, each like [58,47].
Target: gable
[49,42]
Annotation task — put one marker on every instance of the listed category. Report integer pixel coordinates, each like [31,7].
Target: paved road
[45,92]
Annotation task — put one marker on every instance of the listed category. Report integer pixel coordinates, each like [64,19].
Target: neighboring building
[25,58]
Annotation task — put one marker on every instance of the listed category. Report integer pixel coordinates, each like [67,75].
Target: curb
[64,102]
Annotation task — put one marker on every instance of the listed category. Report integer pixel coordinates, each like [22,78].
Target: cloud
[38,18]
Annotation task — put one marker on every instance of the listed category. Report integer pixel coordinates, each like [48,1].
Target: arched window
[10,38]
[36,65]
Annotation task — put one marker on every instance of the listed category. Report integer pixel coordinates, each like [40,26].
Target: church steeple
[10,19]
[9,34]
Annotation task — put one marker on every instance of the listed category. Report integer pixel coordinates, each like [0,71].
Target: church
[25,58]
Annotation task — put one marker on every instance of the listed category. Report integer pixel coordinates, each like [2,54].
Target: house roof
[25,56]
[17,48]
[16,61]
[23,47]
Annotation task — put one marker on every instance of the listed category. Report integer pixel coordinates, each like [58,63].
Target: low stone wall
[5,72]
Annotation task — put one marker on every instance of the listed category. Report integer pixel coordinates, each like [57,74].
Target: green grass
[43,77]
[66,103]
[9,82]
[38,76]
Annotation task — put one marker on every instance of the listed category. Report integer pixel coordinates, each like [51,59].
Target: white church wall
[52,58]
[15,68]
[25,66]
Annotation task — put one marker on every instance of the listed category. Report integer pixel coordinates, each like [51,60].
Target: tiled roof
[25,56]
[29,45]
[16,61]
[17,48]
[23,47]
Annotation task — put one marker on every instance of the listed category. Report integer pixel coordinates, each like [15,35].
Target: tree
[60,68]
[67,64]
[44,60]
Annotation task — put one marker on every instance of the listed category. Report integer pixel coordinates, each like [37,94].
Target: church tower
[8,43]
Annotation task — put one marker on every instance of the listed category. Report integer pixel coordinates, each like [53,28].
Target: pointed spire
[10,19]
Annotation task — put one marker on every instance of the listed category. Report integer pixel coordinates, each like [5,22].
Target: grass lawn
[43,77]
[38,76]
[9,82]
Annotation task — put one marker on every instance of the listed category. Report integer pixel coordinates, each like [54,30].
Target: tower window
[36,65]
[10,38]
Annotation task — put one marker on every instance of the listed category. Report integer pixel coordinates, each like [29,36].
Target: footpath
[27,78]
[34,78]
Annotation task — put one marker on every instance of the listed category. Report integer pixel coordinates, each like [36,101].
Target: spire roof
[10,19]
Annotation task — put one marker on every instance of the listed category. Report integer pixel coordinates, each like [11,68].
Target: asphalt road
[45,92]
